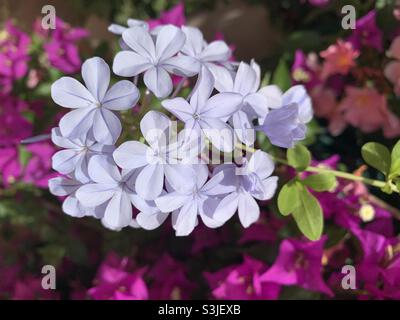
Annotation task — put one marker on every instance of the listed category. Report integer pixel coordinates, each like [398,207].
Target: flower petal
[158,81]
[260,163]
[245,80]
[171,201]
[216,51]
[155,127]
[249,211]
[181,65]
[227,207]
[179,107]
[70,93]
[118,213]
[103,170]
[77,123]
[151,221]
[106,127]
[150,181]
[60,186]
[94,194]
[170,40]
[221,105]
[72,207]
[129,64]
[122,96]
[186,219]
[139,40]
[96,74]
[219,133]
[64,161]
[132,155]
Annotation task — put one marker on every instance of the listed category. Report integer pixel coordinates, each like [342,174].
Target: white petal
[299,95]
[249,211]
[227,207]
[63,142]
[103,170]
[181,65]
[94,194]
[261,163]
[245,80]
[70,93]
[151,221]
[171,201]
[96,74]
[269,187]
[106,127]
[219,133]
[170,40]
[243,127]
[132,155]
[155,127]
[158,81]
[202,90]
[186,219]
[129,64]
[258,105]
[216,51]
[179,107]
[64,161]
[122,96]
[139,40]
[150,181]
[221,105]
[273,95]
[60,186]
[194,41]
[223,78]
[207,210]
[147,206]
[77,123]
[118,213]
[72,207]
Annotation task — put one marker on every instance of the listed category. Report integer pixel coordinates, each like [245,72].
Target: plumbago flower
[76,154]
[291,111]
[204,116]
[158,159]
[246,82]
[197,198]
[155,57]
[95,105]
[254,181]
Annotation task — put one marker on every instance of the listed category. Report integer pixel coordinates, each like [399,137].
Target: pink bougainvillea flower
[326,106]
[367,33]
[115,281]
[319,3]
[339,58]
[299,263]
[169,280]
[242,282]
[61,47]
[264,230]
[392,69]
[366,109]
[175,16]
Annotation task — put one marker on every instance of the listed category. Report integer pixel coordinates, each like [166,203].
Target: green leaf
[288,198]
[321,182]
[299,157]
[308,215]
[395,156]
[281,76]
[24,155]
[377,156]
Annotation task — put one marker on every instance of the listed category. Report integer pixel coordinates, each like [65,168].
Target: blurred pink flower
[299,263]
[319,3]
[169,280]
[367,33]
[264,230]
[366,109]
[339,58]
[30,288]
[306,69]
[61,47]
[14,57]
[325,106]
[115,281]
[242,282]
[175,16]
[392,69]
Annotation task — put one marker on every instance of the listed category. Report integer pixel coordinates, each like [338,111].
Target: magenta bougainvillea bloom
[30,288]
[14,56]
[175,16]
[306,69]
[115,282]
[61,46]
[367,33]
[242,282]
[169,280]
[299,263]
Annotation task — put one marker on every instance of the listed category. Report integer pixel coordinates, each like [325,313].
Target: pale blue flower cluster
[166,172]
